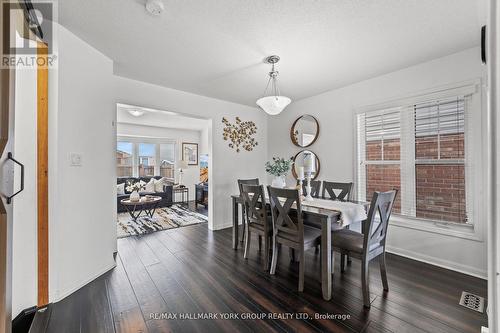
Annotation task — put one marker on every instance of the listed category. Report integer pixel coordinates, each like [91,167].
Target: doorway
[166,156]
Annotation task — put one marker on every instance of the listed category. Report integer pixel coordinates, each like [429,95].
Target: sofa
[166,195]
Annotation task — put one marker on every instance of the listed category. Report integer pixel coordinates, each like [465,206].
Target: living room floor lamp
[181,165]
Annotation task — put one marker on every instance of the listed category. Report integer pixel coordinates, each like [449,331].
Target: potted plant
[279,167]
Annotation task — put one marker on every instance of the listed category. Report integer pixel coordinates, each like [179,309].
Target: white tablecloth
[350,212]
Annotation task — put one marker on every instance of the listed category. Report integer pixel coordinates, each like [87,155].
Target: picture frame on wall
[190,153]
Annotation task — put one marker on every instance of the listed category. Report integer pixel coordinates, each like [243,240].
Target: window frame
[136,140]
[474,179]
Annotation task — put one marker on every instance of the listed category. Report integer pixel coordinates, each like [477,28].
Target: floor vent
[472,301]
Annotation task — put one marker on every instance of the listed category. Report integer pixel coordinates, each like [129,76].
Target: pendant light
[274,103]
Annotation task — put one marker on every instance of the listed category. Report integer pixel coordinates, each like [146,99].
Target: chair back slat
[330,187]
[252,181]
[287,220]
[253,199]
[315,187]
[381,206]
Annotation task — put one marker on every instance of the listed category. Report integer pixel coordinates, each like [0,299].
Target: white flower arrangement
[136,186]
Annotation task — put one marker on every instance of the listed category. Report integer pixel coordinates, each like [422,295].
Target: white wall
[24,244]
[82,200]
[191,175]
[335,146]
[226,165]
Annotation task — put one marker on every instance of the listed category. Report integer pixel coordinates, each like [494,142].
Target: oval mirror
[309,161]
[304,131]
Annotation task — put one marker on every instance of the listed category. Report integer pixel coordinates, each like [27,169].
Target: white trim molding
[431,260]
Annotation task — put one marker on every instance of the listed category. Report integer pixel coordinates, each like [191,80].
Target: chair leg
[342,262]
[260,243]
[302,266]
[274,261]
[349,261]
[383,272]
[365,283]
[243,223]
[247,242]
[291,252]
[266,253]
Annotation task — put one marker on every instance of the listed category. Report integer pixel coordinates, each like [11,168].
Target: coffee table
[145,204]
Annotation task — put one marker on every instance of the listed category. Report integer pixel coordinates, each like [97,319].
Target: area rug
[164,218]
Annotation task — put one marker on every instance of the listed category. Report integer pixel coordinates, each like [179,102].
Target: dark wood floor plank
[177,299]
[95,310]
[200,292]
[125,309]
[41,320]
[195,270]
[439,327]
[332,307]
[66,314]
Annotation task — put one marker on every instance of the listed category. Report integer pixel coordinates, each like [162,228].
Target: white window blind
[420,149]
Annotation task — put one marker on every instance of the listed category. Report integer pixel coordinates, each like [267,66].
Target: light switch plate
[75,159]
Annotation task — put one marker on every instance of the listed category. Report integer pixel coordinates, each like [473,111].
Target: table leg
[326,259]
[235,224]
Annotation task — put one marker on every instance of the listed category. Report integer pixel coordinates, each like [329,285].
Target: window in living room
[146,159]
[124,159]
[167,160]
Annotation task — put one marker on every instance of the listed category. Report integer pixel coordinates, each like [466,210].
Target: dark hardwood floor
[193,270]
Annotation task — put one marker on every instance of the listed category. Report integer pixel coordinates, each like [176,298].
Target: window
[145,157]
[440,161]
[146,162]
[124,154]
[167,160]
[418,149]
[382,152]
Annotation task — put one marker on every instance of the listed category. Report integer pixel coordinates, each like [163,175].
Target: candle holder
[308,188]
[300,188]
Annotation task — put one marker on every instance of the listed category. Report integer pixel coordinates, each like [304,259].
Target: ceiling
[158,118]
[215,47]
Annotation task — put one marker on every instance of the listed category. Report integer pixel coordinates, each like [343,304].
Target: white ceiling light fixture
[155,7]
[275,103]
[136,112]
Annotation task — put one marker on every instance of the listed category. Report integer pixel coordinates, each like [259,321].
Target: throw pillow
[159,184]
[120,188]
[150,186]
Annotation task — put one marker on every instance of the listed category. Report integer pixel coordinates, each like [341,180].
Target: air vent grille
[472,301]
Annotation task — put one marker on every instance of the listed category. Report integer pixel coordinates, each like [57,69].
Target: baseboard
[61,295]
[464,269]
[223,226]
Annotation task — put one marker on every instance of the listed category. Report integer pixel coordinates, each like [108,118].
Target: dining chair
[315,187]
[371,243]
[330,188]
[344,194]
[252,181]
[258,221]
[289,229]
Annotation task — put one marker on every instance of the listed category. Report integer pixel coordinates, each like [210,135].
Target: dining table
[319,214]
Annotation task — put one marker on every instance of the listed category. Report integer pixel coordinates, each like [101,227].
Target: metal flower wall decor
[240,134]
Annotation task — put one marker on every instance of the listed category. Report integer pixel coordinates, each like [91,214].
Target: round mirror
[309,161]
[304,131]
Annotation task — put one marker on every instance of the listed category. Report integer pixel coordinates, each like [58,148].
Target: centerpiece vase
[279,181]
[134,196]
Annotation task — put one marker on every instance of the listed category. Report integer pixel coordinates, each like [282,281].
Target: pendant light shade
[275,103]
